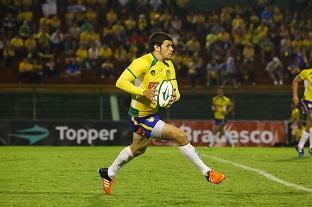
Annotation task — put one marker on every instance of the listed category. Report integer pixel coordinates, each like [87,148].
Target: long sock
[190,153]
[124,157]
[228,137]
[310,139]
[304,137]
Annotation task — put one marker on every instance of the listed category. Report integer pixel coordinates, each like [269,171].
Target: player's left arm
[230,108]
[295,85]
[176,95]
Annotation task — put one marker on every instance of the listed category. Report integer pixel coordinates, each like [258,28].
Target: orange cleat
[106,181]
[215,177]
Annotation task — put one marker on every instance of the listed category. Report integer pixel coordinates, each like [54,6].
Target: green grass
[67,176]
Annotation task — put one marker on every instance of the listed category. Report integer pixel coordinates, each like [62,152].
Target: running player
[221,106]
[306,77]
[140,79]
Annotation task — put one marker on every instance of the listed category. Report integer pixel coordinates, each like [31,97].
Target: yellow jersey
[146,72]
[220,105]
[307,75]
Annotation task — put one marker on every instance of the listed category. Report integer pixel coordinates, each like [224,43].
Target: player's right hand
[150,94]
[295,100]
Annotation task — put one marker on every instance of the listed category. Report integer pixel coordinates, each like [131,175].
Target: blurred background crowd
[92,41]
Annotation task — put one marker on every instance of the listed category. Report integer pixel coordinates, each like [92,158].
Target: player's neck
[158,56]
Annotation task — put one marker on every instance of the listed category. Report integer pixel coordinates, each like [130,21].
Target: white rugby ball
[164,92]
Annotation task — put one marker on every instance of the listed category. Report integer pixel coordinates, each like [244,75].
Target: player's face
[220,92]
[166,49]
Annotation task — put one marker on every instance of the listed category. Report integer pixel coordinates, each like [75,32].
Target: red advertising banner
[238,133]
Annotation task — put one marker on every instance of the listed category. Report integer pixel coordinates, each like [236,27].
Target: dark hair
[157,38]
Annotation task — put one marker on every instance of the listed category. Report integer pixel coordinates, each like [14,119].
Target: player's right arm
[295,86]
[126,79]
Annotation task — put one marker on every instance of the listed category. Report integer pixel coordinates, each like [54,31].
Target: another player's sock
[303,139]
[124,156]
[190,153]
[228,137]
[310,139]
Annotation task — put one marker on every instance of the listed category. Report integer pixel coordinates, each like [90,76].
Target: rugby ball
[164,92]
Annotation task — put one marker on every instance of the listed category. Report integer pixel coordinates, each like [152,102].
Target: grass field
[67,176]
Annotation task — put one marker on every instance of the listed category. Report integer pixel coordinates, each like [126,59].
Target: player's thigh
[171,132]
[217,128]
[139,142]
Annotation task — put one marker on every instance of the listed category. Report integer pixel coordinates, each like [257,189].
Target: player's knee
[181,137]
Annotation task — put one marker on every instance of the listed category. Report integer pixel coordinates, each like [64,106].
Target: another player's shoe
[310,151]
[106,180]
[300,152]
[214,177]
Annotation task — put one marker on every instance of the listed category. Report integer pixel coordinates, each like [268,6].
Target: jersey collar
[155,60]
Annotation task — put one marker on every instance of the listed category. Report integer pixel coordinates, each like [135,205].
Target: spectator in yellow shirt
[82,57]
[25,70]
[18,45]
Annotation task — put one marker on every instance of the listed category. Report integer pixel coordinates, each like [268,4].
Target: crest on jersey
[152,72]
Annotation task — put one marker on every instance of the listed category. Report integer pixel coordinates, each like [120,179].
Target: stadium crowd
[230,45]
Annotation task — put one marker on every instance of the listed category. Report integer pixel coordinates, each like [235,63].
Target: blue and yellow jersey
[143,73]
[219,105]
[307,75]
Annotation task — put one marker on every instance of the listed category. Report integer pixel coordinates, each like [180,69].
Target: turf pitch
[67,176]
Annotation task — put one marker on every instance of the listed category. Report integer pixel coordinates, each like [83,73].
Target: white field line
[263,173]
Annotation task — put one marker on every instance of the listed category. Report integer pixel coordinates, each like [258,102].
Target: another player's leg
[227,136]
[173,133]
[309,126]
[300,147]
[138,147]
[216,131]
[310,140]
[304,135]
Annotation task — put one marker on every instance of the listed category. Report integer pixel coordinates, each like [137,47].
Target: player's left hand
[173,98]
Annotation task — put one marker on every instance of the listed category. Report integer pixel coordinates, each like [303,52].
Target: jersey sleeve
[125,81]
[228,101]
[303,75]
[138,67]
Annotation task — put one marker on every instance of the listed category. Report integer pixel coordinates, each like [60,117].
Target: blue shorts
[143,125]
[220,122]
[306,105]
